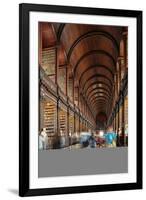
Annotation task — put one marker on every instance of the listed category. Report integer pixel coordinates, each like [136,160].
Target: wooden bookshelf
[49,62]
[62,122]
[120,117]
[126,110]
[71,124]
[77,123]
[50,118]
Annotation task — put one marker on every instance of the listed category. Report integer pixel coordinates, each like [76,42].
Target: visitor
[119,137]
[92,142]
[44,139]
[41,141]
[85,144]
[110,138]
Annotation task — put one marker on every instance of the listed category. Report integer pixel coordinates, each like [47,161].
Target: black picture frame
[24,9]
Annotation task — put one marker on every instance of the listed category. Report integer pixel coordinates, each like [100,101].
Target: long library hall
[83,86]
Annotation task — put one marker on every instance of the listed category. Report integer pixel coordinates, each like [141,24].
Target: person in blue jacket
[110,138]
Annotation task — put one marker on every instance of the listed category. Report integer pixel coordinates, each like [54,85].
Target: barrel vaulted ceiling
[91,52]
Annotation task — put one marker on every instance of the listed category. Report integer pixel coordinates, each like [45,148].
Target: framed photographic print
[80,100]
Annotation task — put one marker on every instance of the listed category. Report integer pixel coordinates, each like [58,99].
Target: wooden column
[118,124]
[79,121]
[123,121]
[113,125]
[73,91]
[121,67]
[116,86]
[66,80]
[125,38]
[119,75]
[117,82]
[57,116]
[114,122]
[74,122]
[56,82]
[56,66]
[40,44]
[78,97]
[41,111]
[79,110]
[67,121]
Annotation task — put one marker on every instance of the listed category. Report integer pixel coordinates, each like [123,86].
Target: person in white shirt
[43,140]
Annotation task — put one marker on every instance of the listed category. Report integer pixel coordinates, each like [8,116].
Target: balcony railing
[70,103]
[61,94]
[48,82]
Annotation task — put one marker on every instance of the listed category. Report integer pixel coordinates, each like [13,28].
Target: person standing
[110,138]
[92,142]
[43,140]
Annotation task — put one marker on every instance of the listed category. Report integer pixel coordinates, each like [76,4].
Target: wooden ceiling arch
[92,51]
[97,89]
[96,66]
[101,98]
[96,105]
[96,76]
[101,105]
[91,34]
[97,51]
[101,108]
[104,100]
[60,30]
[98,94]
[97,83]
[98,102]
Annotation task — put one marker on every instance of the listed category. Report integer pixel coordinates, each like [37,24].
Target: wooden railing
[49,83]
[61,94]
[70,103]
